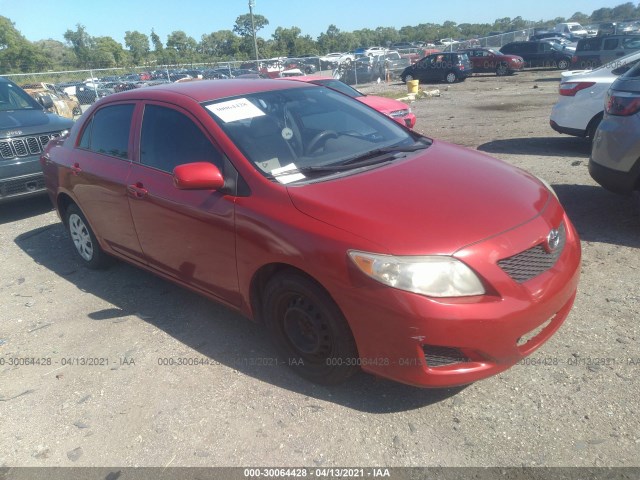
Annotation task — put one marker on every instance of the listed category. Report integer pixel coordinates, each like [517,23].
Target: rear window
[587,44]
[611,44]
[633,73]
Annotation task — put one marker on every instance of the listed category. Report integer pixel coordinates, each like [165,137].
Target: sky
[44,19]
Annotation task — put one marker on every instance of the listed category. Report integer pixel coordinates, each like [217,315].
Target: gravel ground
[573,403]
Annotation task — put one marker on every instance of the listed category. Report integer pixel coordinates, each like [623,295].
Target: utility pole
[252,3]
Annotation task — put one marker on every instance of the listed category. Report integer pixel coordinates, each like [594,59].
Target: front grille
[438,356]
[532,262]
[22,185]
[24,146]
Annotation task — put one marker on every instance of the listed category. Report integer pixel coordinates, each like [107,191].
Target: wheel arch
[590,131]
[62,203]
[263,275]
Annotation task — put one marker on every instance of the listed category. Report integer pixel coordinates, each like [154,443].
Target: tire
[408,78]
[563,64]
[85,242]
[502,70]
[308,329]
[451,77]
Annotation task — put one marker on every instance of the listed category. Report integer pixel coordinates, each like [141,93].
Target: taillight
[569,89]
[622,103]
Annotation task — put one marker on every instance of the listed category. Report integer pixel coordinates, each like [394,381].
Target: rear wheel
[563,64]
[85,242]
[451,77]
[308,329]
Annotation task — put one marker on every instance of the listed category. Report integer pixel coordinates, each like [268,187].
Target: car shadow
[213,331]
[601,216]
[546,146]
[19,209]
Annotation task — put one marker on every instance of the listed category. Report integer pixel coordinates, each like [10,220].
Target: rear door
[186,234]
[97,173]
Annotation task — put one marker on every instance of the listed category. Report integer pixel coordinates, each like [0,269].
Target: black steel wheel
[308,329]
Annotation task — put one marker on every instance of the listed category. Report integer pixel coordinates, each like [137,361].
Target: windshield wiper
[372,157]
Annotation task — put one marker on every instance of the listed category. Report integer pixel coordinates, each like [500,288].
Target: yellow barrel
[412,86]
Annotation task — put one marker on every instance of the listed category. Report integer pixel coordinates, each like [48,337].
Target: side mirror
[197,176]
[46,101]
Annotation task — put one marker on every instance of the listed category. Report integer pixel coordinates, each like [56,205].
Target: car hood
[432,202]
[30,121]
[382,104]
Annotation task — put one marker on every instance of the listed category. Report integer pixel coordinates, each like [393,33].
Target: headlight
[433,276]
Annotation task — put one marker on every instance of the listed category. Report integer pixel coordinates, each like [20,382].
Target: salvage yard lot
[121,368]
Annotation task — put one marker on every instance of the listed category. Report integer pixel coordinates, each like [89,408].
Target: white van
[571,28]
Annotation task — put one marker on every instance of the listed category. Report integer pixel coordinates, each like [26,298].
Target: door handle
[137,190]
[75,169]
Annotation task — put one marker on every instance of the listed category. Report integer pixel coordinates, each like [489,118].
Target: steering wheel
[320,137]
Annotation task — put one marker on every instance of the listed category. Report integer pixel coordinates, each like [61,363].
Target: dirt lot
[573,403]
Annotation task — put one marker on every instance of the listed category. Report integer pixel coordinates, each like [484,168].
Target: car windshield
[13,97]
[339,87]
[575,28]
[311,130]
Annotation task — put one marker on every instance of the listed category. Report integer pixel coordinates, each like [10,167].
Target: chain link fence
[86,86]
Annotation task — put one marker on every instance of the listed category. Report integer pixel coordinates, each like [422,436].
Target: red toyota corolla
[359,243]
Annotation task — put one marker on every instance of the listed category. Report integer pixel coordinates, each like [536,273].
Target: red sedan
[492,60]
[399,111]
[359,243]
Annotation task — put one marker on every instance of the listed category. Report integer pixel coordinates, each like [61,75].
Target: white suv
[580,106]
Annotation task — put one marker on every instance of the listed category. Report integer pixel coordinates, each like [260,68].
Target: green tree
[243,24]
[17,54]
[220,44]
[138,45]
[181,48]
[82,44]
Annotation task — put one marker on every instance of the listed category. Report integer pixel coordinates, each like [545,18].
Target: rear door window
[108,132]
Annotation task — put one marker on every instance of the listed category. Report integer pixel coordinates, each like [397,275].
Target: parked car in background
[25,129]
[449,67]
[595,51]
[615,154]
[492,60]
[360,244]
[571,28]
[399,111]
[63,104]
[330,60]
[539,53]
[365,69]
[580,105]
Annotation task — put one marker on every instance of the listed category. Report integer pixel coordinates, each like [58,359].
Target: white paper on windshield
[282,177]
[234,110]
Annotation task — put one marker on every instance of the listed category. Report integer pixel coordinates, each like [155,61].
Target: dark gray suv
[25,129]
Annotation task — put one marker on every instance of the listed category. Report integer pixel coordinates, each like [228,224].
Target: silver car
[615,154]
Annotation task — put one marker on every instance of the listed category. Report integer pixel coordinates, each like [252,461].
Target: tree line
[83,51]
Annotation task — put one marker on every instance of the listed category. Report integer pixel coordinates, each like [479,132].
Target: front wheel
[563,64]
[408,78]
[309,330]
[502,70]
[451,77]
[84,240]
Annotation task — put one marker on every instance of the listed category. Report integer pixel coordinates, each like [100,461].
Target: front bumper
[431,342]
[21,178]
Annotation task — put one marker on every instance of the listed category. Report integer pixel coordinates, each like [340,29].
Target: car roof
[204,90]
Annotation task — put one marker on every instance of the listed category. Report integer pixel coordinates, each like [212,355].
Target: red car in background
[487,60]
[359,243]
[399,111]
